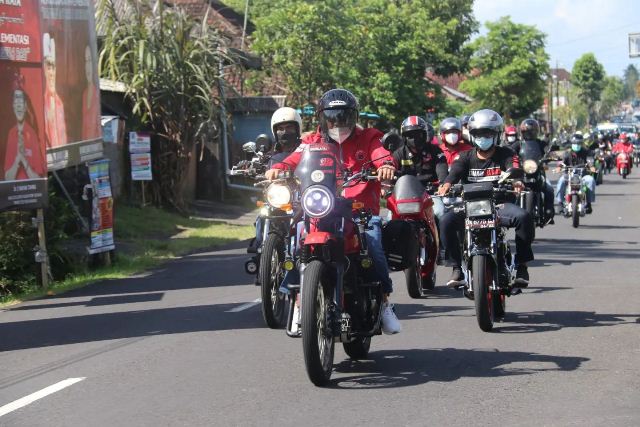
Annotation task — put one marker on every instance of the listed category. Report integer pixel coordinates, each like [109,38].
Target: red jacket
[453,152]
[621,147]
[363,145]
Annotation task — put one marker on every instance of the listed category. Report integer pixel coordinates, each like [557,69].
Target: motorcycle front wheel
[483,297]
[575,215]
[317,338]
[270,276]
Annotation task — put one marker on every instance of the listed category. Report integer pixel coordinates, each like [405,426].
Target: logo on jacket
[360,155]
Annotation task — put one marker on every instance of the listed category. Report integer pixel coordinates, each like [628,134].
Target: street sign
[634,45]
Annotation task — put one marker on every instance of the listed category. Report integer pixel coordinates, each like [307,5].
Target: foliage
[572,116]
[377,49]
[630,79]
[170,64]
[612,96]
[509,68]
[587,76]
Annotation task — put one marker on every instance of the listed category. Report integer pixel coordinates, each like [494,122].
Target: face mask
[575,147]
[339,134]
[287,140]
[415,144]
[483,143]
[451,138]
[511,138]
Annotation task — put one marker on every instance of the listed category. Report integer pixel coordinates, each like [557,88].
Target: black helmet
[416,132]
[529,129]
[413,123]
[340,108]
[450,123]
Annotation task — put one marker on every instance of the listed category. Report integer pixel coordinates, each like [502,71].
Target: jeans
[374,244]
[510,215]
[587,181]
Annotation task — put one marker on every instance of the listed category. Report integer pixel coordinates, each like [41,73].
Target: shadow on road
[112,326]
[419,311]
[405,368]
[544,321]
[580,250]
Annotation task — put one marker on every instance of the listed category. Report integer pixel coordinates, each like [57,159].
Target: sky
[574,27]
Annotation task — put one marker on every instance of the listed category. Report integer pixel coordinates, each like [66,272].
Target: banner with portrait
[23,166]
[101,208]
[72,127]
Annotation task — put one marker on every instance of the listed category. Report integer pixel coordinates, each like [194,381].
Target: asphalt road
[179,346]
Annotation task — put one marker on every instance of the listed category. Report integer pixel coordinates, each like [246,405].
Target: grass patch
[145,238]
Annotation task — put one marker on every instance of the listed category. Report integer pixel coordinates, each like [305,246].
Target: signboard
[141,167]
[23,168]
[72,127]
[634,45]
[101,208]
[139,142]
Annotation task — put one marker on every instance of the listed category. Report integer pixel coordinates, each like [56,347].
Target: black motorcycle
[535,180]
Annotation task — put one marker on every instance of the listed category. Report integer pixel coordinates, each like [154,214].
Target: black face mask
[287,141]
[415,143]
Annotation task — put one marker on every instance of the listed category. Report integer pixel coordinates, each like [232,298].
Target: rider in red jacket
[452,142]
[624,145]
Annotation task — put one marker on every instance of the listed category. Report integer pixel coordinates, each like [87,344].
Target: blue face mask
[483,143]
[576,147]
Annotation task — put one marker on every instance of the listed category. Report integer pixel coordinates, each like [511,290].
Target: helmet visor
[339,118]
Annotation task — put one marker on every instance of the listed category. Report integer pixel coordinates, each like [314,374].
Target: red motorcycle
[623,161]
[410,238]
[342,300]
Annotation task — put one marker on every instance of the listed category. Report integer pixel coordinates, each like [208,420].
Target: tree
[170,64]
[376,48]
[587,76]
[509,69]
[612,96]
[630,78]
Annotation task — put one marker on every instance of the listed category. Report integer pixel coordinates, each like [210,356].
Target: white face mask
[451,138]
[511,138]
[339,134]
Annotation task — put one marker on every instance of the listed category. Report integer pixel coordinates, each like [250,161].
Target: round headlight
[317,201]
[278,195]
[530,166]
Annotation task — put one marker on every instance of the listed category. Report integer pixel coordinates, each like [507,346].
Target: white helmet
[285,115]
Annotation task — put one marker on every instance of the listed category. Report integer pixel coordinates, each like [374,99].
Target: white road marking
[245,306]
[20,403]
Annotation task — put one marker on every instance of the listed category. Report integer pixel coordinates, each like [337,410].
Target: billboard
[72,127]
[634,45]
[23,167]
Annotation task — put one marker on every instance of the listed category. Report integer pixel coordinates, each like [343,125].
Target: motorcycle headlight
[408,207]
[278,195]
[317,201]
[479,208]
[530,166]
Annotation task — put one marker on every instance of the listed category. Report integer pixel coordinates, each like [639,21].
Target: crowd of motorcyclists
[476,150]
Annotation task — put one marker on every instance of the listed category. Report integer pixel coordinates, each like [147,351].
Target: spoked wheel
[575,215]
[271,275]
[317,337]
[483,297]
[358,348]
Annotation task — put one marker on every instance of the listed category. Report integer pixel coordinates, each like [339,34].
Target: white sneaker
[390,323]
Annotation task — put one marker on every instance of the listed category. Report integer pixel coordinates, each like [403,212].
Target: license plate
[480,223]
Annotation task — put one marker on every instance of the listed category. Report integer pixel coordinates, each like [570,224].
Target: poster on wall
[101,208]
[23,167]
[72,126]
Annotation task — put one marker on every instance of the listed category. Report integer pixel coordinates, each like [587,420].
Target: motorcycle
[274,256]
[410,238]
[599,162]
[340,301]
[575,197]
[487,260]
[532,198]
[623,165]
[636,155]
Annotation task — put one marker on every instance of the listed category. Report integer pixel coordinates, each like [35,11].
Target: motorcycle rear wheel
[270,276]
[482,279]
[414,278]
[575,215]
[317,338]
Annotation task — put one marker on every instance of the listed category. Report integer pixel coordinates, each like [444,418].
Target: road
[183,345]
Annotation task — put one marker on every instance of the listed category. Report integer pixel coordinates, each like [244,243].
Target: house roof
[449,84]
[561,73]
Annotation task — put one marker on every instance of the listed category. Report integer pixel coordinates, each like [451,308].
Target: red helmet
[623,137]
[510,130]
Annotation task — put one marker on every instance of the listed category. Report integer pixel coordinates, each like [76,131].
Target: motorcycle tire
[270,275]
[624,174]
[317,346]
[414,278]
[482,279]
[575,215]
[358,349]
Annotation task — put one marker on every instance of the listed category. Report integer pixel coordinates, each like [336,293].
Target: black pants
[549,193]
[452,223]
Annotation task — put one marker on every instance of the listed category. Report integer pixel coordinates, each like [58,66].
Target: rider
[464,123]
[624,145]
[511,136]
[286,125]
[484,163]
[529,132]
[577,156]
[452,137]
[337,114]
[419,157]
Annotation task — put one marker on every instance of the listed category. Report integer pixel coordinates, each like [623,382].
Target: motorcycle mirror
[263,142]
[391,141]
[249,147]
